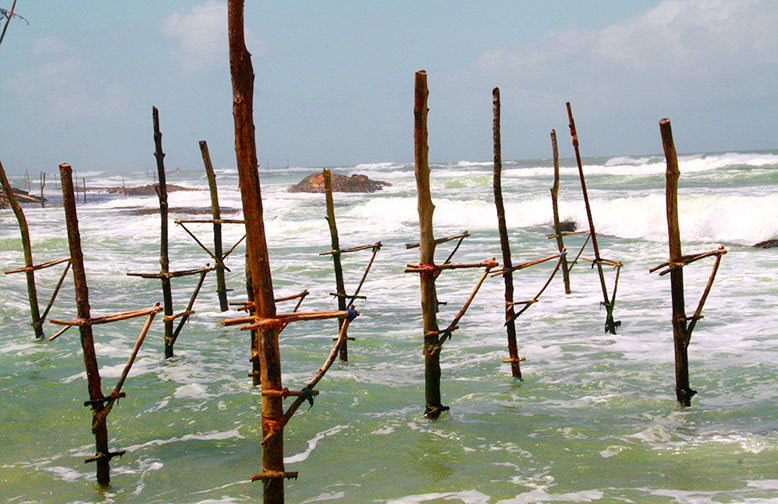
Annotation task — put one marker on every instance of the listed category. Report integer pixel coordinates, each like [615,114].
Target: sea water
[594,420]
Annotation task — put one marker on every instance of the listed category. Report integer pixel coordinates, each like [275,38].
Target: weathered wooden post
[221,286]
[164,260]
[510,315]
[87,343]
[32,293]
[429,296]
[610,324]
[242,74]
[683,392]
[682,332]
[43,184]
[340,288]
[555,205]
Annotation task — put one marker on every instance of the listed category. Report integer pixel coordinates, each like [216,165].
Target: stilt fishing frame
[682,333]
[100,404]
[336,254]
[607,302]
[265,320]
[165,274]
[427,269]
[29,268]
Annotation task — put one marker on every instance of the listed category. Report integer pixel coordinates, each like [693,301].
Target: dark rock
[21,197]
[146,190]
[340,183]
[567,226]
[766,244]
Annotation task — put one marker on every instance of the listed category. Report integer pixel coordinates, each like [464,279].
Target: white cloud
[201,36]
[685,41]
[48,45]
[64,91]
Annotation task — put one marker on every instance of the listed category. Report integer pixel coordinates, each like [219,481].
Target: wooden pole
[87,342]
[336,252]
[7,22]
[429,296]
[610,324]
[242,74]
[221,286]
[32,292]
[683,391]
[43,184]
[555,204]
[164,261]
[510,325]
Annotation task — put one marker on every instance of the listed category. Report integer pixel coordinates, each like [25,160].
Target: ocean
[594,420]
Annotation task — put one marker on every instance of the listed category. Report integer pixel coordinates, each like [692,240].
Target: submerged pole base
[433,412]
[684,395]
[611,325]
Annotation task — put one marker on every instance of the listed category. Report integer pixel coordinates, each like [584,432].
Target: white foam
[312,444]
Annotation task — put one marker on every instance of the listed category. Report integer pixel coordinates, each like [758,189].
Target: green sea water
[594,420]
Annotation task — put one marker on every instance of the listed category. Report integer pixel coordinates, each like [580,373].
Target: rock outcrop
[146,190]
[21,197]
[340,183]
[766,244]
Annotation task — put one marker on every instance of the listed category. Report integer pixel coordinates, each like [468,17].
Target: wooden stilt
[32,293]
[610,324]
[429,297]
[164,260]
[87,343]
[555,205]
[242,74]
[221,286]
[339,285]
[510,325]
[43,184]
[682,332]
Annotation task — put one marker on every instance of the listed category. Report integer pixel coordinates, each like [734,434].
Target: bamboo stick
[308,389]
[56,291]
[141,337]
[522,266]
[99,428]
[164,261]
[32,292]
[221,285]
[505,245]
[106,319]
[242,74]
[185,315]
[438,241]
[210,221]
[352,249]
[233,247]
[340,286]
[216,259]
[37,267]
[560,243]
[356,295]
[610,324]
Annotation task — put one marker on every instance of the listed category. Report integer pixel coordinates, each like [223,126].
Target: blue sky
[334,80]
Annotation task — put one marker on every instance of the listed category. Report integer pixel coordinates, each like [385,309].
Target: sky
[334,80]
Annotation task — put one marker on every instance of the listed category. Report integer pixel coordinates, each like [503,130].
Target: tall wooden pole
[339,284]
[681,336]
[164,261]
[510,314]
[610,324]
[555,204]
[87,342]
[429,296]
[242,74]
[221,286]
[32,292]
